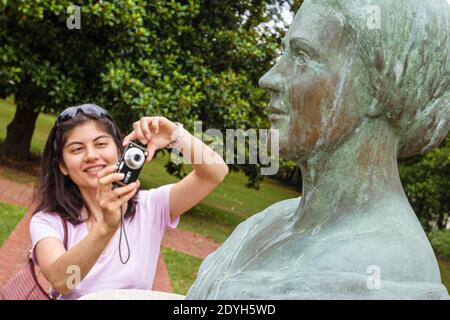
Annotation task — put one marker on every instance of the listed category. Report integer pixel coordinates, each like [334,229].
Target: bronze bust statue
[348,100]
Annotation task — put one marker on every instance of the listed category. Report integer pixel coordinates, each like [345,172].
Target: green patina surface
[357,87]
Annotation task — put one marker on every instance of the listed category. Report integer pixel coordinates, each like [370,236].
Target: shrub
[440,241]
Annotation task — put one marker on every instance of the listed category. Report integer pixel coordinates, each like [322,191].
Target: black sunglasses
[88,109]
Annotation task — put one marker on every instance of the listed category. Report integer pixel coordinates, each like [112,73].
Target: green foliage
[440,241]
[187,60]
[427,184]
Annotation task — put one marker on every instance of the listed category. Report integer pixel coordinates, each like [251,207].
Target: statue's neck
[350,179]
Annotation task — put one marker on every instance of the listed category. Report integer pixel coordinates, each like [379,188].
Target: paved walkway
[13,253]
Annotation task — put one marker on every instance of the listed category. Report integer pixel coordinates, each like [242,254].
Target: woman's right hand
[112,200]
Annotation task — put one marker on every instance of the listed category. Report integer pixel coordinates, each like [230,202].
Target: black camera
[131,163]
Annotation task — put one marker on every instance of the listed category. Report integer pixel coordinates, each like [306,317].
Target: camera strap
[122,229]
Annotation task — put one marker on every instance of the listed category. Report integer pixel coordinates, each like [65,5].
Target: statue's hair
[407,61]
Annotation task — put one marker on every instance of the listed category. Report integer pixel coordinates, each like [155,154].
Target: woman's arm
[65,269]
[209,170]
[209,167]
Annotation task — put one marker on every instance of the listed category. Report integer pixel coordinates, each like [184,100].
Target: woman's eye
[102,144]
[77,150]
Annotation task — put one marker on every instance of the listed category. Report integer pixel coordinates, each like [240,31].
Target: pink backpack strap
[64,222]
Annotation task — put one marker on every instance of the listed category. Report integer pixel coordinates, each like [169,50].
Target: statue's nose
[271,81]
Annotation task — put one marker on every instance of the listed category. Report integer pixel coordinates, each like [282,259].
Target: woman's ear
[63,169]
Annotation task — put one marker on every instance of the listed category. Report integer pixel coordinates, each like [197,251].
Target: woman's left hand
[155,132]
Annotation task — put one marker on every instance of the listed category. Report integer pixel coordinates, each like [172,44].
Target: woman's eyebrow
[102,136]
[79,142]
[72,143]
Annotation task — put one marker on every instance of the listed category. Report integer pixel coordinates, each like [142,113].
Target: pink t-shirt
[144,233]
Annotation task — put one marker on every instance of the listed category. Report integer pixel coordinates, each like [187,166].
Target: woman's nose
[91,154]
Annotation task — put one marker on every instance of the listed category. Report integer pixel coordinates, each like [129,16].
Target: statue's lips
[276,110]
[276,117]
[276,113]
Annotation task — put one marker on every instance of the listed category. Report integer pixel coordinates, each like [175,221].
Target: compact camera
[131,163]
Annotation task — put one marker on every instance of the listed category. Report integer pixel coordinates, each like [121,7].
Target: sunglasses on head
[88,109]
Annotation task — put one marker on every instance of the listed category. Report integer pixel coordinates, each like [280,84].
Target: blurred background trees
[187,60]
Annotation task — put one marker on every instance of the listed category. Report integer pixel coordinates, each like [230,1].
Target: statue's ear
[375,109]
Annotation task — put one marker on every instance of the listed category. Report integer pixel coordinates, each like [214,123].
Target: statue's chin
[297,155]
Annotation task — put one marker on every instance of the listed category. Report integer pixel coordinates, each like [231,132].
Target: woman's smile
[93,169]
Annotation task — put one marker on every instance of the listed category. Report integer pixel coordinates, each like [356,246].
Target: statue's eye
[301,57]
[301,50]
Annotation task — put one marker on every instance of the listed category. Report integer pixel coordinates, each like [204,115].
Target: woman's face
[87,150]
[311,83]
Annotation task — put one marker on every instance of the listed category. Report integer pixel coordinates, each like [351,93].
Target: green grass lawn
[444,266]
[9,217]
[182,269]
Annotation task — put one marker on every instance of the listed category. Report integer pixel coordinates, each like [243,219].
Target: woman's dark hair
[57,192]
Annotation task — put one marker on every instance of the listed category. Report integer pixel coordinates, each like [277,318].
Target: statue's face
[313,96]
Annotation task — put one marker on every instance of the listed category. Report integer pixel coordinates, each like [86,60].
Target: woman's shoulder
[45,224]
[154,204]
[47,216]
[153,194]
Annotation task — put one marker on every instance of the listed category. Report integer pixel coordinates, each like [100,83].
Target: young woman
[78,170]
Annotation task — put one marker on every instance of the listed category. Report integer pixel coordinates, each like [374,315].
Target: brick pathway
[190,243]
[13,253]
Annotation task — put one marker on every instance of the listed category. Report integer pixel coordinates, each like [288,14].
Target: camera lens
[134,158]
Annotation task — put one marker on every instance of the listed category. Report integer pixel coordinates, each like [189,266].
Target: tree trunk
[441,222]
[19,133]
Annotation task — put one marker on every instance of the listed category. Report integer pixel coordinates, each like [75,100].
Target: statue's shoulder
[237,248]
[281,210]
[277,213]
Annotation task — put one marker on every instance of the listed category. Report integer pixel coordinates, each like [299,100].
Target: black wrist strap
[122,229]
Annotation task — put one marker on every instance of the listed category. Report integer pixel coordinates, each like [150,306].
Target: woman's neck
[92,211]
[350,179]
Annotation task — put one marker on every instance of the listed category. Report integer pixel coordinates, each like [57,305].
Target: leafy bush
[426,181]
[440,241]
